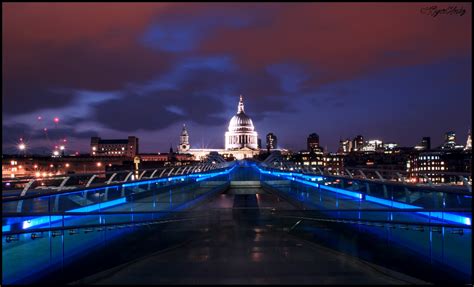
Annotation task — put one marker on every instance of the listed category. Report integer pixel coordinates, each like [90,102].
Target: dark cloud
[41,55]
[196,97]
[21,98]
[345,41]
[280,56]
[149,112]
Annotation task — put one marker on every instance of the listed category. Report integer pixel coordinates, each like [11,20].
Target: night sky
[386,71]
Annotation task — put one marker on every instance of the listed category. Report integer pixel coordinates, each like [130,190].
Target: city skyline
[118,70]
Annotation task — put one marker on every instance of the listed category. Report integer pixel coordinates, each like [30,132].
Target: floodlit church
[241,139]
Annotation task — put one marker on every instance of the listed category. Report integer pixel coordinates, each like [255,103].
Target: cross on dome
[240,108]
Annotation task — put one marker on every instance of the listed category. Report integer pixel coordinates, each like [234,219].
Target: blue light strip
[201,177]
[40,221]
[6,228]
[439,215]
[391,203]
[211,175]
[46,219]
[293,176]
[152,181]
[182,178]
[305,182]
[449,217]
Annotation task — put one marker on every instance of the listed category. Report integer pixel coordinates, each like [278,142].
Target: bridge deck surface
[243,249]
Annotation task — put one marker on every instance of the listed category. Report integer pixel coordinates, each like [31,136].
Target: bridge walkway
[247,246]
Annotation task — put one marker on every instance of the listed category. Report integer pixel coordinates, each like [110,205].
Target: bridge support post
[61,186]
[19,207]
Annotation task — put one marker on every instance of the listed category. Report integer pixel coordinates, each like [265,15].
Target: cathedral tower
[183,141]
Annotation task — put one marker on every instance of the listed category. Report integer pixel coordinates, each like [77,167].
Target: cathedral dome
[241,122]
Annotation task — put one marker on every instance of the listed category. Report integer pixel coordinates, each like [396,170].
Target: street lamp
[22,147]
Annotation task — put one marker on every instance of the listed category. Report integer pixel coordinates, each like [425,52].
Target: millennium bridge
[243,222]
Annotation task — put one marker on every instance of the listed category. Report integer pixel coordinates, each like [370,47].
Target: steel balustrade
[65,179]
[378,174]
[110,180]
[90,180]
[151,176]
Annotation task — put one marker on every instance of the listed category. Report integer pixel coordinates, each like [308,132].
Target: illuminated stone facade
[241,139]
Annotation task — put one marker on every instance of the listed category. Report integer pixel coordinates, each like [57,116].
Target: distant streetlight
[22,147]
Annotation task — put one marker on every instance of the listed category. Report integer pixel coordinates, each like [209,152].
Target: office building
[114,147]
[271,141]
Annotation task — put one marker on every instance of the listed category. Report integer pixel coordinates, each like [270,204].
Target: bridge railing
[90,198]
[41,185]
[460,180]
[382,192]
[385,209]
[61,236]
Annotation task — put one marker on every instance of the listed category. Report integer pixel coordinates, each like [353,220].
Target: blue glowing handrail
[90,208]
[309,180]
